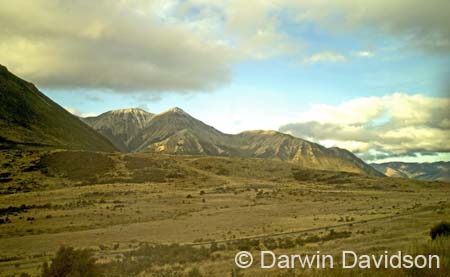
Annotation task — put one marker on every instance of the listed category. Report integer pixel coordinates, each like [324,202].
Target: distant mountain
[276,145]
[120,126]
[437,171]
[29,118]
[176,132]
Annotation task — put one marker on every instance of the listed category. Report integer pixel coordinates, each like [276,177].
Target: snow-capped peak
[129,110]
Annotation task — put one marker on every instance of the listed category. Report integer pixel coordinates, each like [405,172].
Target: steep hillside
[437,171]
[176,132]
[29,118]
[120,126]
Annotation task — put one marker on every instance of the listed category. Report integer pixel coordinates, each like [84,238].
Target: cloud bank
[192,45]
[419,24]
[118,45]
[379,127]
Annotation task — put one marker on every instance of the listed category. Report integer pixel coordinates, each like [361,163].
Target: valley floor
[116,203]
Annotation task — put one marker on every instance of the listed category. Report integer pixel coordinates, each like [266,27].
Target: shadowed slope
[28,117]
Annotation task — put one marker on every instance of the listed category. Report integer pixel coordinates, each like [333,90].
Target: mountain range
[437,171]
[28,118]
[176,132]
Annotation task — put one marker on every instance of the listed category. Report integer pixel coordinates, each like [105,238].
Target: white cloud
[77,112]
[355,111]
[252,27]
[420,24]
[134,46]
[364,54]
[324,57]
[346,144]
[137,45]
[120,45]
[379,127]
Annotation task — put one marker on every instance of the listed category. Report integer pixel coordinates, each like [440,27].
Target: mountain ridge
[174,131]
[435,171]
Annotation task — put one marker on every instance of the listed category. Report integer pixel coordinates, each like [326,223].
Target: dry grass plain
[115,203]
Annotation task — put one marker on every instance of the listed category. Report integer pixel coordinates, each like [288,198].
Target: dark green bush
[71,262]
[441,229]
[270,243]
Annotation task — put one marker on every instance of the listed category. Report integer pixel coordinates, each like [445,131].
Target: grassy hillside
[29,118]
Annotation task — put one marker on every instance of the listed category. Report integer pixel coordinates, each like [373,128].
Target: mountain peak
[174,110]
[129,110]
[261,132]
[120,126]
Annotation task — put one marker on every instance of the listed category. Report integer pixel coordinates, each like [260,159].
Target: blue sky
[281,85]
[286,66]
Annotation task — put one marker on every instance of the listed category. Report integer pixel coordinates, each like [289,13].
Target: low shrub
[441,229]
[71,262]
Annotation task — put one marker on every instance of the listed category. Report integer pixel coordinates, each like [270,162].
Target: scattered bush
[71,262]
[441,229]
[223,172]
[5,220]
[14,210]
[154,256]
[270,243]
[194,272]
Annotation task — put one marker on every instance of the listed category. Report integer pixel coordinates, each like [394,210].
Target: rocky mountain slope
[29,118]
[276,145]
[437,171]
[120,126]
[176,132]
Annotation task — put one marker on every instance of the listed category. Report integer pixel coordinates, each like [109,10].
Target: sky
[368,76]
